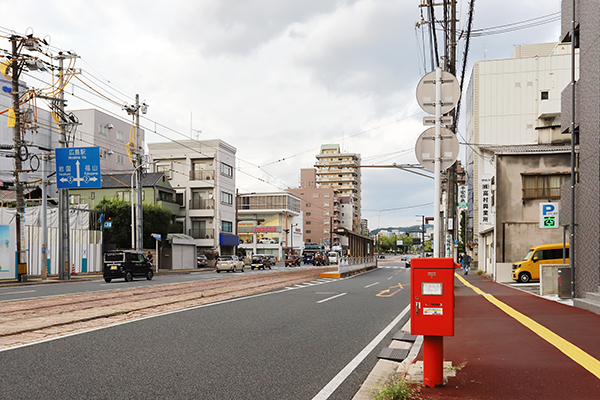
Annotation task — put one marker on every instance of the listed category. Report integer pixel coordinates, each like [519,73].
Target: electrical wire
[515,26]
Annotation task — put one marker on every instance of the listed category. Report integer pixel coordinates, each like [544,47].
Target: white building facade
[203,176]
[509,102]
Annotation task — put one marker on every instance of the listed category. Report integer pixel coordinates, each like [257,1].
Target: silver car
[229,264]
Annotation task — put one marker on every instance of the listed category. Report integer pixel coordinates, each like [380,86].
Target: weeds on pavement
[395,389]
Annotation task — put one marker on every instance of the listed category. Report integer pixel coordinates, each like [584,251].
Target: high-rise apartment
[341,171]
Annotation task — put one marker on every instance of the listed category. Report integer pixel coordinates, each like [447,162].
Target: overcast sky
[275,78]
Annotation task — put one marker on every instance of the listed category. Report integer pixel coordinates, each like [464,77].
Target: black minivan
[126,264]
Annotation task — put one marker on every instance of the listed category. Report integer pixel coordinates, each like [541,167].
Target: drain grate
[405,337]
[393,354]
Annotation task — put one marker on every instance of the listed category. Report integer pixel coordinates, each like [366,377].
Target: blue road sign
[78,167]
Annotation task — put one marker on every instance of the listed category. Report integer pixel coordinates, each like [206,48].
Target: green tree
[156,220]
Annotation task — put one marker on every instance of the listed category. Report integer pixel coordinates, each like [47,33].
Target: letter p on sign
[548,215]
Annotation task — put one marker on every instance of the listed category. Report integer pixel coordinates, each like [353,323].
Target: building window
[120,136]
[326,204]
[92,195]
[226,226]
[308,222]
[325,212]
[120,159]
[102,129]
[124,195]
[326,231]
[543,186]
[326,195]
[165,169]
[544,95]
[307,240]
[316,195]
[307,204]
[325,222]
[308,214]
[226,170]
[75,199]
[226,198]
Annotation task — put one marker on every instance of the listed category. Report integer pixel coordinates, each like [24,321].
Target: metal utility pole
[63,194]
[18,142]
[44,266]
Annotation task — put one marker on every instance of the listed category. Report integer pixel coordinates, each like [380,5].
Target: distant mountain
[410,229]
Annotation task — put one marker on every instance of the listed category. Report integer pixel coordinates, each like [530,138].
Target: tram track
[27,321]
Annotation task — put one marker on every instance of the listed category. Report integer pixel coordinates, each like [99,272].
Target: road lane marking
[352,365]
[390,291]
[24,291]
[570,350]
[390,278]
[331,298]
[372,284]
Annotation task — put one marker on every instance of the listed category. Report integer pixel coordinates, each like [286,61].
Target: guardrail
[348,264]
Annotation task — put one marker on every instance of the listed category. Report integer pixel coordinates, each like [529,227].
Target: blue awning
[227,239]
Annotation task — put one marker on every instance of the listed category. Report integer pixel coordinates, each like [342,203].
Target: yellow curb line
[570,350]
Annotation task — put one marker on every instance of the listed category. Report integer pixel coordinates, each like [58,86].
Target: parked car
[229,264]
[260,261]
[529,268]
[202,261]
[126,264]
[267,241]
[291,260]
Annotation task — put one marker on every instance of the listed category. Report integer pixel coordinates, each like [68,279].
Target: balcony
[202,233]
[202,204]
[549,108]
[202,175]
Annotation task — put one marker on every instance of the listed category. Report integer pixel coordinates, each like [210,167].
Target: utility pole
[451,190]
[18,143]
[137,226]
[140,206]
[64,272]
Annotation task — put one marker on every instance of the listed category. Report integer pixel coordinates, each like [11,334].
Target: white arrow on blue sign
[78,167]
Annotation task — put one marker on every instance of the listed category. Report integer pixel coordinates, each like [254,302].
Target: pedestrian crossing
[311,283]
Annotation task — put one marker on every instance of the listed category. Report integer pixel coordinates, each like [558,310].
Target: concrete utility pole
[18,143]
[140,206]
[63,194]
[137,226]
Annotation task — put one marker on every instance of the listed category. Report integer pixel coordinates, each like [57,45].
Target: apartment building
[341,171]
[203,176]
[320,208]
[112,135]
[584,196]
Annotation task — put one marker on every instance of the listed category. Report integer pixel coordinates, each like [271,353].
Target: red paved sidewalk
[503,359]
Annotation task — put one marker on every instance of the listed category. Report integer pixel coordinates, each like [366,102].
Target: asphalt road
[286,344]
[23,292]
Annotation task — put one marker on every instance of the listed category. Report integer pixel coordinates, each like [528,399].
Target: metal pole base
[433,357]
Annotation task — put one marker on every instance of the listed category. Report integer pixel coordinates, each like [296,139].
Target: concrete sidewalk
[510,344]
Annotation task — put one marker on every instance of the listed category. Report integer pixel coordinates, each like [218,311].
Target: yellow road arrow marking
[389,292]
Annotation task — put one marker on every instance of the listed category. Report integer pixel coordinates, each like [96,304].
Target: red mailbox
[432,312]
[432,296]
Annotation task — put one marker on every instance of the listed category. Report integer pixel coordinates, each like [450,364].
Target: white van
[333,257]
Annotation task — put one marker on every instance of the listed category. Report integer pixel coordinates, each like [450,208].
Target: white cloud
[276,79]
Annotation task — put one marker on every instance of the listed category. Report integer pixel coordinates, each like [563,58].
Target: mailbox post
[432,311]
